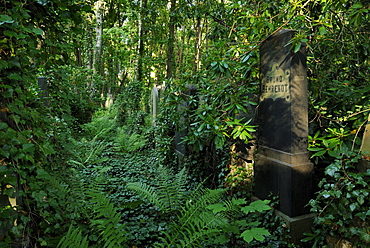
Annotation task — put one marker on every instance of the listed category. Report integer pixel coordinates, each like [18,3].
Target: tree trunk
[90,52]
[171,41]
[99,37]
[141,27]
[197,45]
[182,47]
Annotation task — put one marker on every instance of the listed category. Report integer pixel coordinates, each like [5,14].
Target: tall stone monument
[282,165]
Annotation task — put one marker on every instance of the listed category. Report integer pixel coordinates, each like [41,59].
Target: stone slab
[292,183]
[282,167]
[298,226]
[282,116]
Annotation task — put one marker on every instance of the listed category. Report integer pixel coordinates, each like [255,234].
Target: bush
[342,203]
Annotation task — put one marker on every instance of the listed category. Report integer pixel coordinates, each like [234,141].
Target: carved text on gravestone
[275,84]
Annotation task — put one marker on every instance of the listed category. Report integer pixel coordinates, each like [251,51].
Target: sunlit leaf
[5,19]
[254,233]
[37,31]
[297,47]
[216,208]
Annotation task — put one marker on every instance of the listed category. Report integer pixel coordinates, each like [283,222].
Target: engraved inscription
[275,84]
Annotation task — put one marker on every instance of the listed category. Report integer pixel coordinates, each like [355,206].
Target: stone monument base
[286,175]
[297,226]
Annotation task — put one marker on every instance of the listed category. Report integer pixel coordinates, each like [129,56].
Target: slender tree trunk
[197,45]
[206,32]
[90,52]
[78,53]
[141,27]
[99,38]
[171,41]
[182,47]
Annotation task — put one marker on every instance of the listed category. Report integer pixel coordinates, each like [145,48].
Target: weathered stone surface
[283,102]
[297,227]
[282,165]
[335,242]
[365,146]
[155,101]
[182,129]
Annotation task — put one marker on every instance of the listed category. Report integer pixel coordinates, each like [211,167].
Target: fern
[107,220]
[169,192]
[73,238]
[195,222]
[128,142]
[88,152]
[101,126]
[147,192]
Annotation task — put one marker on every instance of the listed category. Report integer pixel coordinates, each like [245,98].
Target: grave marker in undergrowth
[364,163]
[155,100]
[282,165]
[182,129]
[43,89]
[365,146]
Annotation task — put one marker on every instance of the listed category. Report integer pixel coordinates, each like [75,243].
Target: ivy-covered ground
[116,159]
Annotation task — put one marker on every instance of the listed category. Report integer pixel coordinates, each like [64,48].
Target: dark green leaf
[28,148]
[357,6]
[318,154]
[10,33]
[3,125]
[37,31]
[5,19]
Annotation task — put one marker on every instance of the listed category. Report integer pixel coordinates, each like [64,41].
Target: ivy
[342,201]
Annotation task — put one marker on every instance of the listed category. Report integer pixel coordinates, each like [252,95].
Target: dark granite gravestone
[183,110]
[43,89]
[282,164]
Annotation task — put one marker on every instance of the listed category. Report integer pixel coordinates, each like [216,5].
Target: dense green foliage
[342,204]
[91,131]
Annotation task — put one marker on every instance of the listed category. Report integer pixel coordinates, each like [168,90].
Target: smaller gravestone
[183,110]
[364,163]
[43,89]
[155,100]
[365,146]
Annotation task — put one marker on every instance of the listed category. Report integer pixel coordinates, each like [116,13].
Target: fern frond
[107,220]
[172,188]
[165,188]
[198,202]
[169,193]
[73,238]
[195,222]
[147,192]
[180,183]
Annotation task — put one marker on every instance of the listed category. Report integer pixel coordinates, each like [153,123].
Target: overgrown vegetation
[68,158]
